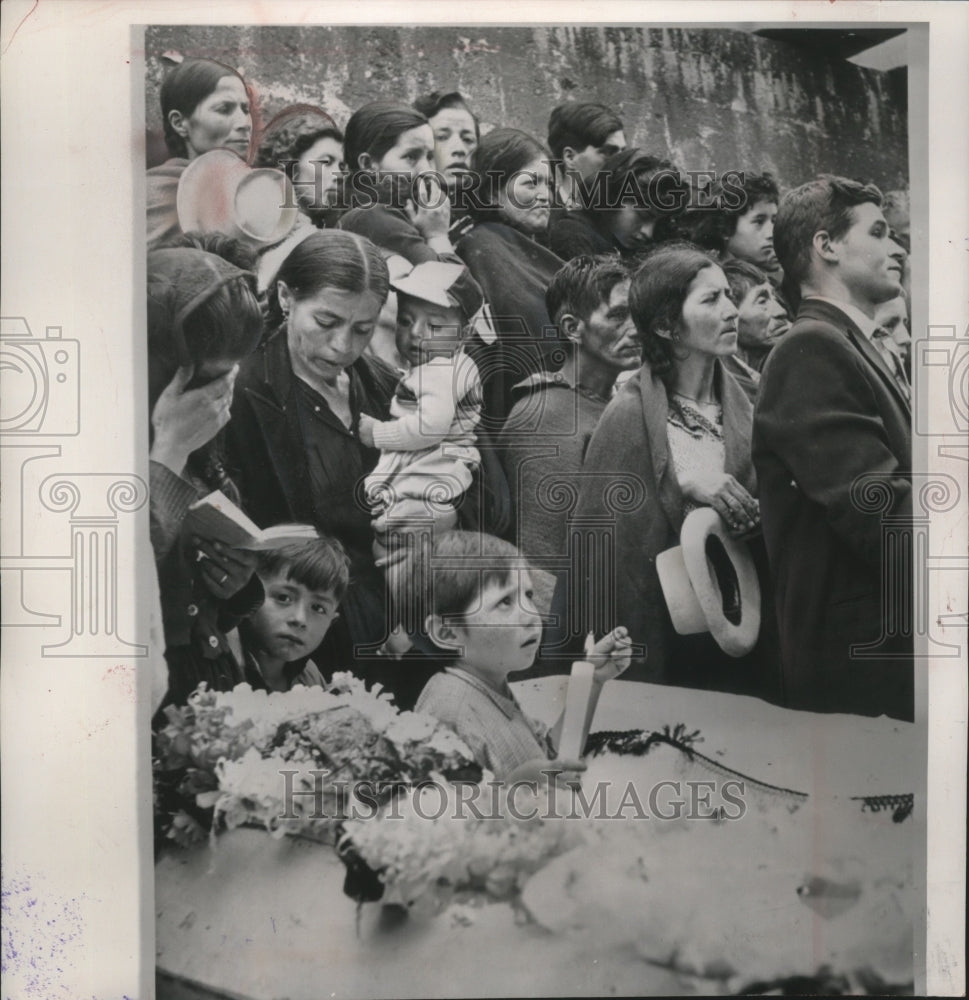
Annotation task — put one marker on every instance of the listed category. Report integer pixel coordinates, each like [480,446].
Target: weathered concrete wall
[705,98]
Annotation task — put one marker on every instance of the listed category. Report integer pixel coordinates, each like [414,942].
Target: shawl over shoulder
[161,192]
[628,477]
[513,272]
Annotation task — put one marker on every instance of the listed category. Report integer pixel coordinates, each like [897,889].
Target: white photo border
[75,769]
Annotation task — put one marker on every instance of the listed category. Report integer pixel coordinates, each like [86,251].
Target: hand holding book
[217,518]
[224,571]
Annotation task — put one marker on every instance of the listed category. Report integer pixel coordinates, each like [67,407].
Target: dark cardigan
[573,234]
[391,230]
[388,226]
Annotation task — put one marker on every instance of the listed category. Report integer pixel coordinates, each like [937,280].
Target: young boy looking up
[304,584]
[480,608]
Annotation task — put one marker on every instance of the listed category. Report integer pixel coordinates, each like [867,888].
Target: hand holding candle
[611,655]
[604,660]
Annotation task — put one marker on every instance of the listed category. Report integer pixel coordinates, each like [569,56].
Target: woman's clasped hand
[730,499]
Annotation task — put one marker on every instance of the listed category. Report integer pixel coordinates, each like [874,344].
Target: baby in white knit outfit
[428,453]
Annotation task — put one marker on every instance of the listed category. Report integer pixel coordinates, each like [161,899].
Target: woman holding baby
[300,442]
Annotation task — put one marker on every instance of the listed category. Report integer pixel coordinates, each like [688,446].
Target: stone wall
[705,98]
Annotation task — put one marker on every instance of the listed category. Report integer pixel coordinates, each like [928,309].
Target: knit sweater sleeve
[170,496]
[438,385]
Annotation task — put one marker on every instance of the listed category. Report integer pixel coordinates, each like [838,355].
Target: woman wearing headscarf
[203,319]
[204,106]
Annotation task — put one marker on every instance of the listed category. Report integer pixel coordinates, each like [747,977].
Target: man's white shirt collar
[885,346]
[864,323]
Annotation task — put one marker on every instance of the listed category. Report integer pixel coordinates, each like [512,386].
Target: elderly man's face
[762,318]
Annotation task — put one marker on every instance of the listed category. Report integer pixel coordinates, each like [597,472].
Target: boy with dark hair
[304,584]
[832,435]
[581,137]
[741,225]
[479,607]
[544,439]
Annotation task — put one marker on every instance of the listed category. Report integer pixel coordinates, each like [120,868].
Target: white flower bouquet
[292,761]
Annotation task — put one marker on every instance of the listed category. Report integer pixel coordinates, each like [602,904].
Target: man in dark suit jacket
[833,409]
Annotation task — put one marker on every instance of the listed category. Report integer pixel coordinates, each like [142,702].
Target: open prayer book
[216,517]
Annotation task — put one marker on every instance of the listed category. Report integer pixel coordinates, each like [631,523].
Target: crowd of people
[496,375]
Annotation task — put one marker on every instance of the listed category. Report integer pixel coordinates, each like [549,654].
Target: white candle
[577,700]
